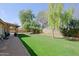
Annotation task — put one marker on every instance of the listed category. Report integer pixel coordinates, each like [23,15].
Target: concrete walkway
[12,47]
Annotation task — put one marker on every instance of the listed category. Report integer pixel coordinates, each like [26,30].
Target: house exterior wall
[1,25]
[6,27]
[1,28]
[13,29]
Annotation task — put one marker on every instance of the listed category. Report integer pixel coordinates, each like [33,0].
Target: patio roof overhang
[7,26]
[10,24]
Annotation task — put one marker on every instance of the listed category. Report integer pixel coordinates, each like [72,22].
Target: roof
[2,21]
[9,23]
[13,24]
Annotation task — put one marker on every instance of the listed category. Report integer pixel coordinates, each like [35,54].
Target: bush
[71,29]
[36,31]
[33,27]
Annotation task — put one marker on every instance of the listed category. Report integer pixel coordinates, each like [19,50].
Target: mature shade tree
[42,19]
[26,17]
[54,12]
[58,13]
[35,27]
[66,17]
[51,17]
[28,22]
[68,23]
[26,26]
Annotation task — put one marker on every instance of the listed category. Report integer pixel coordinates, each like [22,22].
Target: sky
[9,12]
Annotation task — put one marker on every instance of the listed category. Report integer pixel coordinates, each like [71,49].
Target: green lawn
[43,45]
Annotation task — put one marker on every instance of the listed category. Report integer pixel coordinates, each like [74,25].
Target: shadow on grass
[71,38]
[32,53]
[68,38]
[58,37]
[23,35]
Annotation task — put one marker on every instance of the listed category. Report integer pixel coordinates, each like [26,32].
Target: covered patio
[8,27]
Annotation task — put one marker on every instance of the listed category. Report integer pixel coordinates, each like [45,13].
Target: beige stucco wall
[4,26]
[48,31]
[7,28]
[1,25]
[1,28]
[13,29]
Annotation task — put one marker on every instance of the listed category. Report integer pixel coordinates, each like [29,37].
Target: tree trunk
[53,34]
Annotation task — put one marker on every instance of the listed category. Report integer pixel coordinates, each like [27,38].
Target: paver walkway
[12,47]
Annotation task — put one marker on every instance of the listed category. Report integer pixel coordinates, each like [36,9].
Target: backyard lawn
[42,45]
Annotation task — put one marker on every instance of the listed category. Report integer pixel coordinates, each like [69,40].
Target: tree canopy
[26,16]
[42,19]
[54,12]
[66,17]
[27,21]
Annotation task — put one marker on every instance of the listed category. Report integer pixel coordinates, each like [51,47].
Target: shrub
[71,29]
[33,27]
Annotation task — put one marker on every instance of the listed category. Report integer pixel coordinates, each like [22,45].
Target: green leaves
[54,13]
[67,16]
[51,14]
[27,21]
[26,17]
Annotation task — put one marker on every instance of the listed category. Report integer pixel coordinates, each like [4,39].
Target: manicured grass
[43,45]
